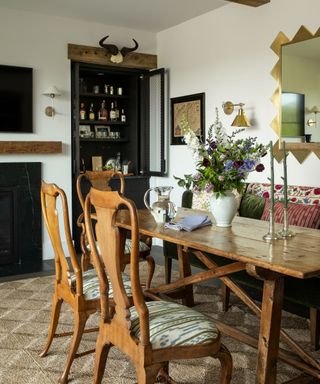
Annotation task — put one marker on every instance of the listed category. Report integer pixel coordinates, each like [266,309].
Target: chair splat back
[50,193]
[99,180]
[111,240]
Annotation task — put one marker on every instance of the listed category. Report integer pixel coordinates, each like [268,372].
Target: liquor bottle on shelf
[123,118]
[117,110]
[111,90]
[103,113]
[83,113]
[113,116]
[91,112]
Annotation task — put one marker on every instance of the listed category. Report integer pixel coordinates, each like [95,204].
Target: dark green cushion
[252,206]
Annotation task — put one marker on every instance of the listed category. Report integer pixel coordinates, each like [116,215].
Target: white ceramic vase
[224,208]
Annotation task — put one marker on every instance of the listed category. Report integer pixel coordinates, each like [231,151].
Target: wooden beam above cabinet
[95,55]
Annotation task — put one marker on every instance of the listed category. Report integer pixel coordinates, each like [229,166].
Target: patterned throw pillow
[298,214]
[252,206]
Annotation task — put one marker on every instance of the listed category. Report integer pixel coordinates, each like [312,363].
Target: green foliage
[185,182]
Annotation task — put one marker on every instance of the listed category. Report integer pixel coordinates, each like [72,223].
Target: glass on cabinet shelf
[106,95]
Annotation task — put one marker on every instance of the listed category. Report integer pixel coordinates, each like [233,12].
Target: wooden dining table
[243,244]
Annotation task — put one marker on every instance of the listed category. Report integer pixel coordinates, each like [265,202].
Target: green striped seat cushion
[173,324]
[127,248]
[91,289]
[142,246]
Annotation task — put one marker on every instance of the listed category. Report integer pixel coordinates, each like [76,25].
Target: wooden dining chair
[101,180]
[150,333]
[73,286]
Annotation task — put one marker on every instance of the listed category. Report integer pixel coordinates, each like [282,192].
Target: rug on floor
[25,308]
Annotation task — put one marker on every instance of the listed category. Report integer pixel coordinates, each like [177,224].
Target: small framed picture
[96,163]
[192,107]
[102,131]
[85,131]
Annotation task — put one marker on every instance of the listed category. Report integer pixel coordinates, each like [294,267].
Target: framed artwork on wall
[191,106]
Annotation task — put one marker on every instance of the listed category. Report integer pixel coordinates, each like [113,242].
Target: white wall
[40,42]
[226,54]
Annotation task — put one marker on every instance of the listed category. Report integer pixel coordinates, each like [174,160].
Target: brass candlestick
[285,232]
[271,235]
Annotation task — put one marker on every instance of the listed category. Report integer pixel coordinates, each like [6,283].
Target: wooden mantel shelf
[30,147]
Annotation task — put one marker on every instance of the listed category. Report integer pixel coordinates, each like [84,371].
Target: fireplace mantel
[30,147]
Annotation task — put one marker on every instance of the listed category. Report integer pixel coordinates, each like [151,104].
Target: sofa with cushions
[304,210]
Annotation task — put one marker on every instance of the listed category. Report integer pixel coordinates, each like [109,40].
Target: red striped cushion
[298,214]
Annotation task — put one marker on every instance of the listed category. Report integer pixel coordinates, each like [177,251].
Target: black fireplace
[20,218]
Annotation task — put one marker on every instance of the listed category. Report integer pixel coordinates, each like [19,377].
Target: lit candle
[285,184]
[271,177]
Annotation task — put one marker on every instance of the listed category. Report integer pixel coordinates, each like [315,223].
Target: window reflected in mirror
[300,96]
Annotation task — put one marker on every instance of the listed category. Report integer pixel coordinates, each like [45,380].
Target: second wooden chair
[101,180]
[150,333]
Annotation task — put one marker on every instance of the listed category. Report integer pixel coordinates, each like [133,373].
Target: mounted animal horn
[111,48]
[126,50]
[116,54]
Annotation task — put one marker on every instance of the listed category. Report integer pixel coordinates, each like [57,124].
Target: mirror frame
[299,150]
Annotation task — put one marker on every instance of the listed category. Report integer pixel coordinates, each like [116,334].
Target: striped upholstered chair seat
[143,247]
[91,285]
[173,325]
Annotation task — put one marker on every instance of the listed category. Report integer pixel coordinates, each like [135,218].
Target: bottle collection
[94,113]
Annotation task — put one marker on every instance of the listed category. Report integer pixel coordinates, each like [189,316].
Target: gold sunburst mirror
[303,48]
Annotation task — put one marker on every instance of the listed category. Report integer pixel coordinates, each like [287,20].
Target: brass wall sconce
[311,122]
[51,92]
[241,119]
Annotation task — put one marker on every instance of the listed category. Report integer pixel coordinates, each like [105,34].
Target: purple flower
[260,168]
[208,188]
[197,176]
[212,145]
[249,164]
[237,164]
[206,162]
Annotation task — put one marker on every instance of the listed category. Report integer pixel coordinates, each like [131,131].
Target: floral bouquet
[223,161]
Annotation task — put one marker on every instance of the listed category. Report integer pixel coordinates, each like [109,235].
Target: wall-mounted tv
[15,99]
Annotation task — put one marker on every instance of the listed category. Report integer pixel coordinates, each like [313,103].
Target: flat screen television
[15,99]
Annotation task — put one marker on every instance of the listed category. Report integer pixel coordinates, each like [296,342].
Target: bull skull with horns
[117,54]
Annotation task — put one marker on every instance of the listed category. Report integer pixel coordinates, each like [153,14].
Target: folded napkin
[189,223]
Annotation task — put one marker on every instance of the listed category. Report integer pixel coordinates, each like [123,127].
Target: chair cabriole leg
[102,351]
[56,308]
[226,365]
[80,319]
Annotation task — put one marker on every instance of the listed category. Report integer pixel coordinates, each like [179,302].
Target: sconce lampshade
[241,119]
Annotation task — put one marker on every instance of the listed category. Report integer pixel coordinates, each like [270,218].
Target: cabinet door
[153,119]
